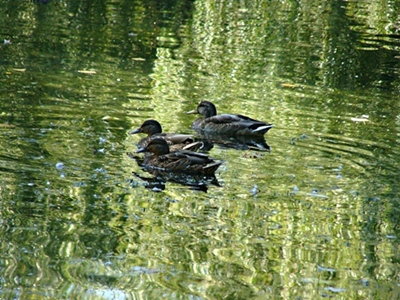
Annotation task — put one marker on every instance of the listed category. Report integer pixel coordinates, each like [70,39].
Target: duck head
[149,127]
[205,108]
[156,146]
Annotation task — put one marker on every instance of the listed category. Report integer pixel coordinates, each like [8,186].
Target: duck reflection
[40,1]
[256,143]
[193,182]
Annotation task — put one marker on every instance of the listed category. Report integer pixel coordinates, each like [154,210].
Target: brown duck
[184,161]
[175,141]
[226,124]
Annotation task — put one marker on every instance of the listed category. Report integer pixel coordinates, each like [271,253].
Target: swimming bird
[184,161]
[226,124]
[175,141]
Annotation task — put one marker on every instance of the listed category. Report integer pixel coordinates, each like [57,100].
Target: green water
[316,217]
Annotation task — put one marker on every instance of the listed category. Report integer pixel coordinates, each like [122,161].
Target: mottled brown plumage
[226,124]
[179,161]
[175,141]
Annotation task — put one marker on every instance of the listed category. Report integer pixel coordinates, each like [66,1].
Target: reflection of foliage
[248,38]
[81,32]
[260,38]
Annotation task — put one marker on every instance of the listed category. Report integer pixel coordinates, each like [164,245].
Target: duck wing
[171,138]
[223,119]
[238,123]
[231,118]
[200,162]
[176,138]
[194,158]
[188,161]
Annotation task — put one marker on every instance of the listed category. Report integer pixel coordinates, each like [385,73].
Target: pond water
[316,216]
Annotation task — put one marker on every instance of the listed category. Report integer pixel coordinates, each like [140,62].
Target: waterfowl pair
[184,161]
[226,124]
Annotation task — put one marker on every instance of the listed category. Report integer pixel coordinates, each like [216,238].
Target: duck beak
[135,131]
[192,112]
[141,150]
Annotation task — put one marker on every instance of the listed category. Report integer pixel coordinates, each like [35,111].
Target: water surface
[316,216]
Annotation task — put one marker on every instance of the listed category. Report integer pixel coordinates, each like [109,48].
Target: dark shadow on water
[157,183]
[237,142]
[40,1]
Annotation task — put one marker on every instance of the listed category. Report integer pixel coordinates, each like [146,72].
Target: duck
[175,141]
[181,161]
[226,124]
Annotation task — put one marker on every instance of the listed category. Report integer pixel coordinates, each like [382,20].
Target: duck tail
[212,167]
[262,129]
[193,146]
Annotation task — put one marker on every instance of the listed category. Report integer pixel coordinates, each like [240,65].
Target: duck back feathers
[178,161]
[227,124]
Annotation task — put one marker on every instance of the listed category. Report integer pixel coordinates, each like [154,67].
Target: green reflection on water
[77,76]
